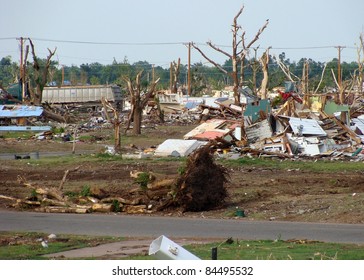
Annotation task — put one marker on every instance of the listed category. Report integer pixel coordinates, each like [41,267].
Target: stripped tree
[175,67]
[138,99]
[238,53]
[361,63]
[264,61]
[41,75]
[115,121]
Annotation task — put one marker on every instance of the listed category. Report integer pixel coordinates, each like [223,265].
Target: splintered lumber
[121,200]
[50,192]
[131,209]
[102,207]
[52,202]
[92,199]
[164,183]
[59,209]
[25,203]
[7,197]
[29,202]
[158,193]
[262,152]
[65,176]
[63,179]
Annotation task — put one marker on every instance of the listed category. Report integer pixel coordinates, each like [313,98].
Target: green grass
[16,246]
[91,158]
[26,246]
[312,166]
[280,250]
[274,250]
[17,134]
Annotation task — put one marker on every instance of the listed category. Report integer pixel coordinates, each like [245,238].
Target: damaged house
[20,118]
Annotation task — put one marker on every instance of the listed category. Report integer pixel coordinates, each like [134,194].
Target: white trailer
[82,95]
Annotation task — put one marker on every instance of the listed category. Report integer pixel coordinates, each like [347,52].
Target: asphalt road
[145,226]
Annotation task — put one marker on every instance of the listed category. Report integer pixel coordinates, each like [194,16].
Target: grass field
[17,246]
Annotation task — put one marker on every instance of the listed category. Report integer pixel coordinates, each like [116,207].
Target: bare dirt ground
[262,193]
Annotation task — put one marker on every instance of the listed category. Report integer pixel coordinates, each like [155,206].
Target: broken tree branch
[209,60]
[322,76]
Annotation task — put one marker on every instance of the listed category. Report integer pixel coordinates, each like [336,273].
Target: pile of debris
[316,127]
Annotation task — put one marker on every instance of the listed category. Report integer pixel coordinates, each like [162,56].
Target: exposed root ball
[202,185]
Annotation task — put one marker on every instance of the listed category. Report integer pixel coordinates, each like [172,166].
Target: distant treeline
[203,77]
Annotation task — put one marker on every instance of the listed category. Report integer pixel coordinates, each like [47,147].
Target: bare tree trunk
[115,121]
[137,120]
[242,76]
[49,114]
[235,77]
[174,75]
[138,101]
[264,61]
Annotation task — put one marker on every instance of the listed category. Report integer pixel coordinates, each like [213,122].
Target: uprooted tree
[202,184]
[139,99]
[238,54]
[199,186]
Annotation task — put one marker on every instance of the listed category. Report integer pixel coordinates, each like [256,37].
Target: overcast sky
[86,31]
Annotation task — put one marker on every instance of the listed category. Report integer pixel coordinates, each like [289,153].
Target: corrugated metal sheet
[258,131]
[359,123]
[20,111]
[306,127]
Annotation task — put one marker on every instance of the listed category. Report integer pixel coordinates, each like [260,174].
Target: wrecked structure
[310,125]
[19,118]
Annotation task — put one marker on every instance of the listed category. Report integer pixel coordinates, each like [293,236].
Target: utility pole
[339,76]
[305,77]
[189,70]
[170,76]
[21,67]
[153,74]
[62,75]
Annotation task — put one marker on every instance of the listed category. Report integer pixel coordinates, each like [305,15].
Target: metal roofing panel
[182,147]
[20,111]
[307,127]
[258,131]
[359,123]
